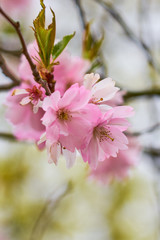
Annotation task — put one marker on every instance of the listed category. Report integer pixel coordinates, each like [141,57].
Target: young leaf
[59,47]
[45,37]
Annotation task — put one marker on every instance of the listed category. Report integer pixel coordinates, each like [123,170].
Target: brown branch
[15,53]
[47,211]
[7,136]
[152,151]
[145,93]
[148,130]
[6,87]
[81,12]
[7,72]
[129,33]
[35,73]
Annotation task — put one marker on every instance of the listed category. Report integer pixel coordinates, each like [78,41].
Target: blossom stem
[35,72]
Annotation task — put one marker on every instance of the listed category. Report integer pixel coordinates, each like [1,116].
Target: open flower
[26,123]
[34,95]
[106,137]
[102,91]
[70,115]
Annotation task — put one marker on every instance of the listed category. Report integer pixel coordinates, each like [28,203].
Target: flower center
[95,100]
[35,93]
[63,114]
[103,133]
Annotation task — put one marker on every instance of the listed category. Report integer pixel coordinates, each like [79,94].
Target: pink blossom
[69,116]
[26,123]
[70,71]
[25,72]
[106,136]
[102,91]
[117,167]
[14,5]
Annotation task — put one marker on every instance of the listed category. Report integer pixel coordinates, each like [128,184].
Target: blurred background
[42,201]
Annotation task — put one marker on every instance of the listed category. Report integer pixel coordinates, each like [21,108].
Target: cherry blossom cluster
[81,115]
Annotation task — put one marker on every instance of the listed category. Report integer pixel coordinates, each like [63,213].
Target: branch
[15,53]
[145,93]
[148,130]
[81,12]
[7,72]
[7,136]
[152,151]
[35,73]
[47,211]
[6,87]
[139,42]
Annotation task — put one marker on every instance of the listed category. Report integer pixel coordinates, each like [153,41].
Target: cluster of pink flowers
[80,115]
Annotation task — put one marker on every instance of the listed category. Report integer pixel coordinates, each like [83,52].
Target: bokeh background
[42,201]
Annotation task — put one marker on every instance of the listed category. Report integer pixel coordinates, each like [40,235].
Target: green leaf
[45,36]
[59,47]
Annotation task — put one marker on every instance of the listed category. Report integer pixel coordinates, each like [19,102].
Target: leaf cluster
[45,38]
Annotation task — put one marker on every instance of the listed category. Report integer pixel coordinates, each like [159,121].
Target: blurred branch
[16,26]
[15,53]
[7,136]
[81,12]
[7,72]
[145,93]
[152,151]
[6,87]
[148,130]
[129,33]
[84,24]
[47,211]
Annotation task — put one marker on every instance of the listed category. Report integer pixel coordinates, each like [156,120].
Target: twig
[45,214]
[7,136]
[15,53]
[152,151]
[81,12]
[6,87]
[129,33]
[145,93]
[148,130]
[7,72]
[35,73]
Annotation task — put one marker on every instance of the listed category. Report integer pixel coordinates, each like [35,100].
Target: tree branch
[35,73]
[129,33]
[81,12]
[7,87]
[7,136]
[145,93]
[47,211]
[148,130]
[7,72]
[15,53]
